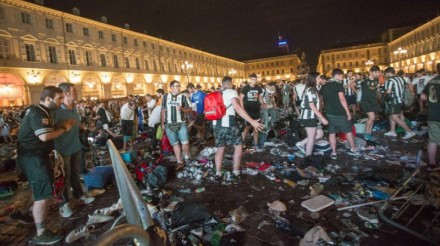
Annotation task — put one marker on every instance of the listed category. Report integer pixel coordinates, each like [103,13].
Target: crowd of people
[318,102]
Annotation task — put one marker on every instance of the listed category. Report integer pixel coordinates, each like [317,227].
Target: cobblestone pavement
[254,192]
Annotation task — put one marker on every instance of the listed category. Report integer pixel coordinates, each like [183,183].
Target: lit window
[4,48]
[127,62]
[72,57]
[52,55]
[103,60]
[138,66]
[49,23]
[88,55]
[116,61]
[30,53]
[69,27]
[25,18]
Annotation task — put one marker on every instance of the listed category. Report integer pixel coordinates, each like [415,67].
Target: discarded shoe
[87,200]
[98,218]
[368,214]
[269,175]
[301,147]
[25,219]
[263,167]
[250,171]
[65,211]
[79,233]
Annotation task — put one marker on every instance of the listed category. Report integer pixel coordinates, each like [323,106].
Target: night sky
[244,29]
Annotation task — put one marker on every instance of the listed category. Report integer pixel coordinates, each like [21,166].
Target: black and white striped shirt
[169,103]
[397,86]
[310,95]
[348,90]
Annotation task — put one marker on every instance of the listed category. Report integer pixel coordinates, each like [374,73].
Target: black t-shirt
[103,119]
[432,91]
[251,97]
[330,92]
[37,121]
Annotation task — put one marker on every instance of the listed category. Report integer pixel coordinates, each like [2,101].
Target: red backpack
[214,106]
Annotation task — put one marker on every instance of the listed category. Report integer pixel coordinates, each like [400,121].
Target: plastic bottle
[290,182]
[200,190]
[217,235]
[185,190]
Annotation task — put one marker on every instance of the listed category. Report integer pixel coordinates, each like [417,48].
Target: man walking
[394,87]
[35,142]
[69,146]
[226,131]
[338,114]
[251,100]
[369,87]
[431,93]
[128,126]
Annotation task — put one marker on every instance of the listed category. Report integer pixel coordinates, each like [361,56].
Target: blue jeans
[179,136]
[269,112]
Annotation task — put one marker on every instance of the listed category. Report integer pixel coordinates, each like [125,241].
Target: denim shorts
[179,136]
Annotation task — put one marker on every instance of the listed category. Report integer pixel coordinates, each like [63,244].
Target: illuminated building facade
[274,68]
[40,46]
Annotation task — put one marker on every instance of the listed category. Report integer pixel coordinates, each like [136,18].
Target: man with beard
[35,142]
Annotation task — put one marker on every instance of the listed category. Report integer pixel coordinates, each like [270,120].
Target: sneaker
[252,164]
[98,218]
[25,219]
[46,238]
[264,167]
[368,137]
[301,147]
[233,228]
[66,211]
[269,175]
[333,156]
[79,233]
[235,179]
[368,214]
[353,152]
[432,168]
[250,171]
[390,134]
[409,135]
[87,200]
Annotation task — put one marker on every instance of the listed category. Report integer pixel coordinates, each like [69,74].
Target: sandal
[179,166]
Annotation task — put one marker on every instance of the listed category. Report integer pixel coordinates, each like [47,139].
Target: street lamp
[400,53]
[187,67]
[369,63]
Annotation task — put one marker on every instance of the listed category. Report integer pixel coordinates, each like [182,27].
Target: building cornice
[431,22]
[272,58]
[357,47]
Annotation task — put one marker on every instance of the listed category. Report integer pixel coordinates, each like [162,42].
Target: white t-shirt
[126,112]
[420,83]
[299,88]
[228,95]
[154,116]
[151,104]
